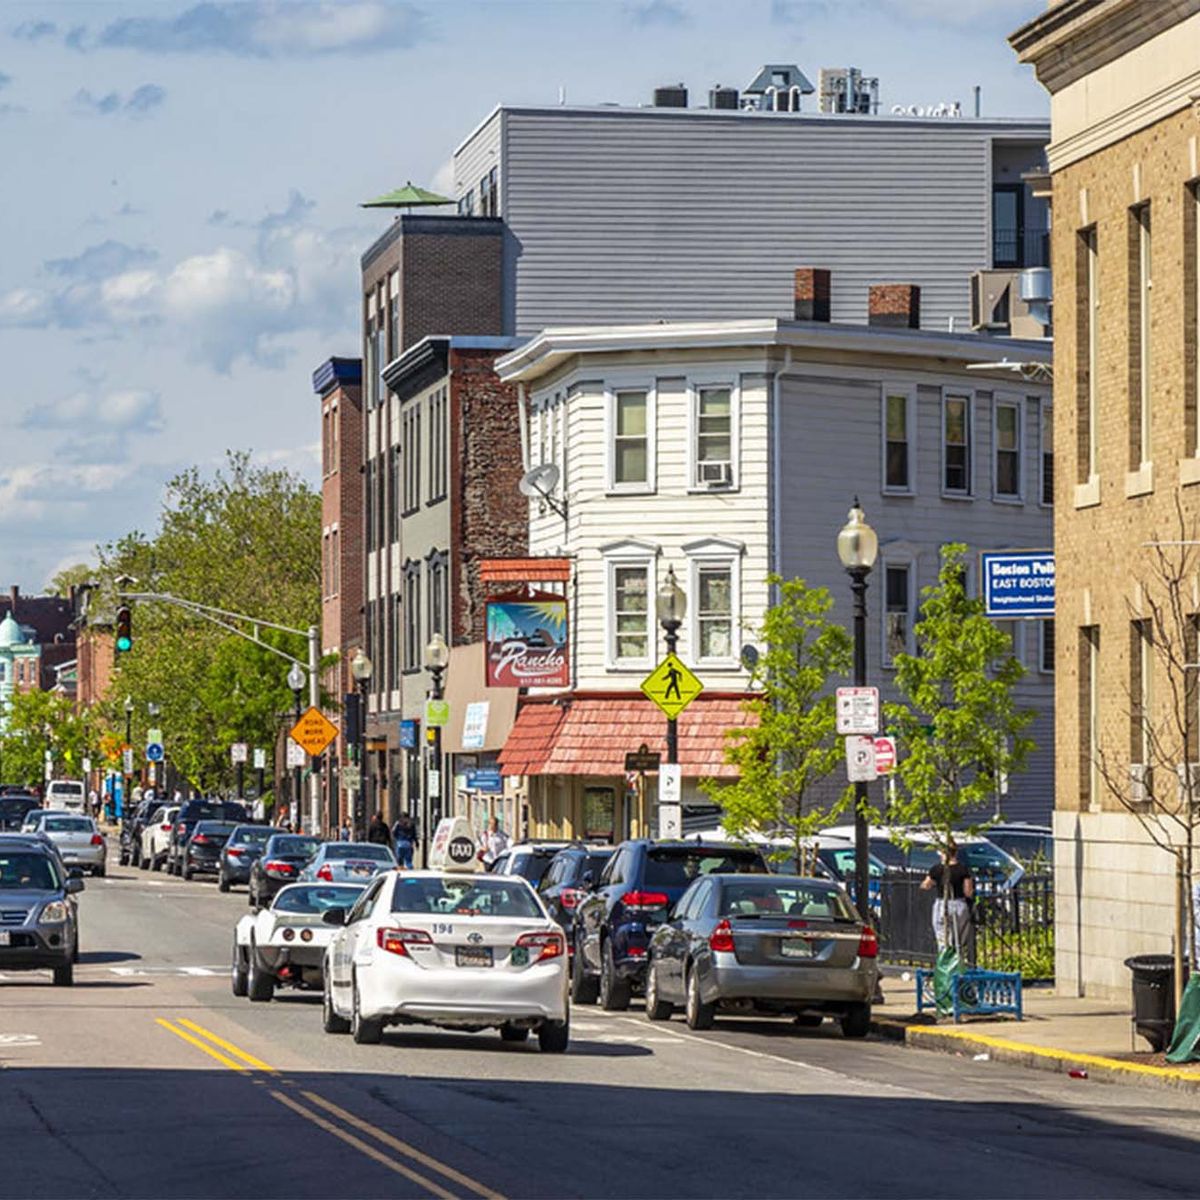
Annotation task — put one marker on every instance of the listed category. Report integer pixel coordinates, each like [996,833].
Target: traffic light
[352,718]
[124,629]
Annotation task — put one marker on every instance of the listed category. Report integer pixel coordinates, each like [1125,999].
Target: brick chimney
[812,294]
[14,593]
[894,305]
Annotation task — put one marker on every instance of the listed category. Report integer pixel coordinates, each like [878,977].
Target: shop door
[599,814]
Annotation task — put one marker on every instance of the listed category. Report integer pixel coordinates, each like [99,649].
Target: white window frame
[694,388]
[1007,400]
[909,392]
[967,394]
[709,553]
[897,556]
[630,552]
[610,428]
[1045,411]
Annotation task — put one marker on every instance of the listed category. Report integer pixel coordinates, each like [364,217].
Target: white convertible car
[455,950]
[284,944]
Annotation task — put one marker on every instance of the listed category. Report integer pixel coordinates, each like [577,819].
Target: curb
[1039,1058]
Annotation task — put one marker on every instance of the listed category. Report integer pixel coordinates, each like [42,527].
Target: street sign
[475,723]
[437,713]
[87,766]
[484,779]
[260,759]
[642,759]
[153,735]
[433,784]
[154,752]
[671,686]
[860,759]
[670,783]
[295,755]
[408,734]
[238,752]
[126,761]
[313,731]
[885,755]
[351,775]
[857,710]
[1018,583]
[670,820]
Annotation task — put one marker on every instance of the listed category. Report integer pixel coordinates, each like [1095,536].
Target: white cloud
[139,103]
[115,412]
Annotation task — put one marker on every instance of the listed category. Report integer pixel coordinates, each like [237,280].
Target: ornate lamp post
[295,680]
[126,751]
[671,607]
[437,659]
[361,668]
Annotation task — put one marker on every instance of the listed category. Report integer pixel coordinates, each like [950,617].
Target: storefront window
[599,814]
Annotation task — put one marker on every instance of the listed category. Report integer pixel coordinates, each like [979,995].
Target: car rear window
[66,789]
[984,858]
[295,845]
[68,825]
[532,864]
[29,871]
[359,850]
[215,828]
[464,896]
[315,899]
[595,863]
[252,837]
[677,867]
[766,898]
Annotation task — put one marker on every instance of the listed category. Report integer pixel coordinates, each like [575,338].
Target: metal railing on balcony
[1019,248]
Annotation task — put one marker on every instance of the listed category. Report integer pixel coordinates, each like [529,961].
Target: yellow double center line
[237,1059]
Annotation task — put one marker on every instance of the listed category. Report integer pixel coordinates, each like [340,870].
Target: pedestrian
[404,836]
[952,908]
[495,842]
[377,831]
[94,803]
[344,832]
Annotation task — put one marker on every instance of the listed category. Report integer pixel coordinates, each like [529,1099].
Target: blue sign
[484,779]
[1019,583]
[408,734]
[154,752]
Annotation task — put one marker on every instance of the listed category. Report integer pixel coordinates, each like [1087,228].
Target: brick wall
[451,280]
[95,653]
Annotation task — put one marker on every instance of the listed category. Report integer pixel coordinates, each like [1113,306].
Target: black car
[240,853]
[280,864]
[202,854]
[572,873]
[14,806]
[634,895]
[190,813]
[132,824]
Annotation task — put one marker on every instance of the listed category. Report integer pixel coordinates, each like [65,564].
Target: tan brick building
[1124,76]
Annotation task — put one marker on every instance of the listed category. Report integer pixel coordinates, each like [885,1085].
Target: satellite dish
[541,482]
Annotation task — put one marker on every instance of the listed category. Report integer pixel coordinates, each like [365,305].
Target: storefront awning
[590,735]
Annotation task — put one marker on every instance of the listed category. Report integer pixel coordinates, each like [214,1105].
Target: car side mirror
[75,884]
[334,916]
[588,880]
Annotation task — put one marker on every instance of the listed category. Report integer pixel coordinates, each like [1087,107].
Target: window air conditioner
[1139,783]
[716,473]
[1187,771]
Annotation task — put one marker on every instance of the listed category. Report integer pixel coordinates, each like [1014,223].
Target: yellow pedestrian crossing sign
[671,686]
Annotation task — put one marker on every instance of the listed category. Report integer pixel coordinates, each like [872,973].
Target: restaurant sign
[527,641]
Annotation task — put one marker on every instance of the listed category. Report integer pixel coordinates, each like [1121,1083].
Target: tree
[38,721]
[69,577]
[792,747]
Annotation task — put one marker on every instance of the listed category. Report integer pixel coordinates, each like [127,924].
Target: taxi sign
[313,731]
[671,686]
[454,847]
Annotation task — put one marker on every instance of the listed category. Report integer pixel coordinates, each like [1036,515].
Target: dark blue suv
[634,895]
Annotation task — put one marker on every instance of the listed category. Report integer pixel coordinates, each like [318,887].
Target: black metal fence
[1012,930]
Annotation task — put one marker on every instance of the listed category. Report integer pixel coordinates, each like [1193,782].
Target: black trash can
[1153,997]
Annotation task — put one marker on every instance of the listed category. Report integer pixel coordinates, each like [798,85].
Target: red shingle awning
[590,735]
[524,570]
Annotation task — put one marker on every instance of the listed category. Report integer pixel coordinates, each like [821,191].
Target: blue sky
[181,184]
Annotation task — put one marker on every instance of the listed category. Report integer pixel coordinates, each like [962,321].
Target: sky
[179,192]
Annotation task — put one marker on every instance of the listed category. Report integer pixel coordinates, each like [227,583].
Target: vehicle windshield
[531,864]
[917,858]
[464,896]
[215,828]
[984,858]
[677,867]
[66,789]
[295,845]
[67,825]
[315,899]
[216,811]
[28,871]
[841,861]
[359,850]
[1026,848]
[252,837]
[765,898]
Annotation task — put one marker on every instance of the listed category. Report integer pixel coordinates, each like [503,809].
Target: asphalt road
[148,1078]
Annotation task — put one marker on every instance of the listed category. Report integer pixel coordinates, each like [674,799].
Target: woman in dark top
[952,908]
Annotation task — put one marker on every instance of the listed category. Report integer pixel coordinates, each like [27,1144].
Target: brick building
[49,623]
[1125,170]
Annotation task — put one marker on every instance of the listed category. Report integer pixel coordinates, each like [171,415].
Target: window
[897,611]
[631,440]
[412,616]
[371,366]
[335,561]
[1191,318]
[466,203]
[438,458]
[412,457]
[397,656]
[387,621]
[381,521]
[1046,646]
[438,572]
[1087,317]
[1139,336]
[714,611]
[1141,647]
[714,437]
[394,321]
[489,195]
[1046,440]
[1006,415]
[956,445]
[630,610]
[1008,225]
[898,425]
[396,506]
[1089,714]
[369,506]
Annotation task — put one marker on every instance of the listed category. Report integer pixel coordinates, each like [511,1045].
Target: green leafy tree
[38,721]
[792,746]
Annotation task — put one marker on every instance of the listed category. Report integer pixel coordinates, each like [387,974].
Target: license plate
[795,948]
[472,956]
[5,938]
[360,870]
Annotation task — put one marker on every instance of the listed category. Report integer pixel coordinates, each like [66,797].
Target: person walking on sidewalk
[377,831]
[404,835]
[952,908]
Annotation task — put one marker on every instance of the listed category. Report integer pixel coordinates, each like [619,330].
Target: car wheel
[657,1009]
[856,1023]
[100,872]
[331,1021]
[64,976]
[513,1033]
[363,1031]
[614,992]
[260,985]
[123,858]
[75,948]
[156,862]
[699,1014]
[584,988]
[553,1036]
[222,884]
[187,873]
[238,974]
[143,863]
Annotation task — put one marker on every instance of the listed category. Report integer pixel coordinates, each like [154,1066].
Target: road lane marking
[364,1147]
[20,1039]
[248,1059]
[403,1147]
[187,1037]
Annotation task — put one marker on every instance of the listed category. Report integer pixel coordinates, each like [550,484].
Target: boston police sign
[1018,583]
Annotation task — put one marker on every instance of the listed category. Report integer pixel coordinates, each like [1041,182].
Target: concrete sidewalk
[1059,1033]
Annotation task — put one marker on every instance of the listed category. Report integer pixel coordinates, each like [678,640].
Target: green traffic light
[124,643]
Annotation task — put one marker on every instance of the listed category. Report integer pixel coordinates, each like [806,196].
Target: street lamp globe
[152,708]
[128,705]
[361,667]
[857,542]
[671,602]
[295,676]
[437,653]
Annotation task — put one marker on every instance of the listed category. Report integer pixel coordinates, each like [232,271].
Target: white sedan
[283,945]
[453,950]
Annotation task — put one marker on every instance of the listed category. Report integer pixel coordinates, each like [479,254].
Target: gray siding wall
[640,215]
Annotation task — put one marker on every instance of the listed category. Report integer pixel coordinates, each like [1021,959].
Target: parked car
[572,873]
[280,863]
[640,882]
[77,838]
[284,944]
[239,854]
[156,837]
[1031,845]
[68,794]
[784,945]
[530,860]
[14,808]
[461,951]
[133,823]
[39,925]
[190,813]
[202,851]
[348,862]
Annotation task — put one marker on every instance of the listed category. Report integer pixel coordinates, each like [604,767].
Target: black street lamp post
[361,668]
[126,753]
[671,607]
[437,659]
[857,547]
[295,680]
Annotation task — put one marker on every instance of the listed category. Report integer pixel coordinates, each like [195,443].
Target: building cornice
[335,372]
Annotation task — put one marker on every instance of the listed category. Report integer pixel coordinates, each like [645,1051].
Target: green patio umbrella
[409,196]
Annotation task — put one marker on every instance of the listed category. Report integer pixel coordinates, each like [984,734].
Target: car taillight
[721,938]
[288,934]
[549,945]
[570,897]
[97,840]
[181,828]
[868,944]
[200,838]
[234,851]
[165,828]
[397,941]
[326,873]
[642,901]
[278,868]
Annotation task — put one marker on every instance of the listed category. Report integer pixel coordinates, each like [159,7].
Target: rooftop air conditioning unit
[999,306]
[716,473]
